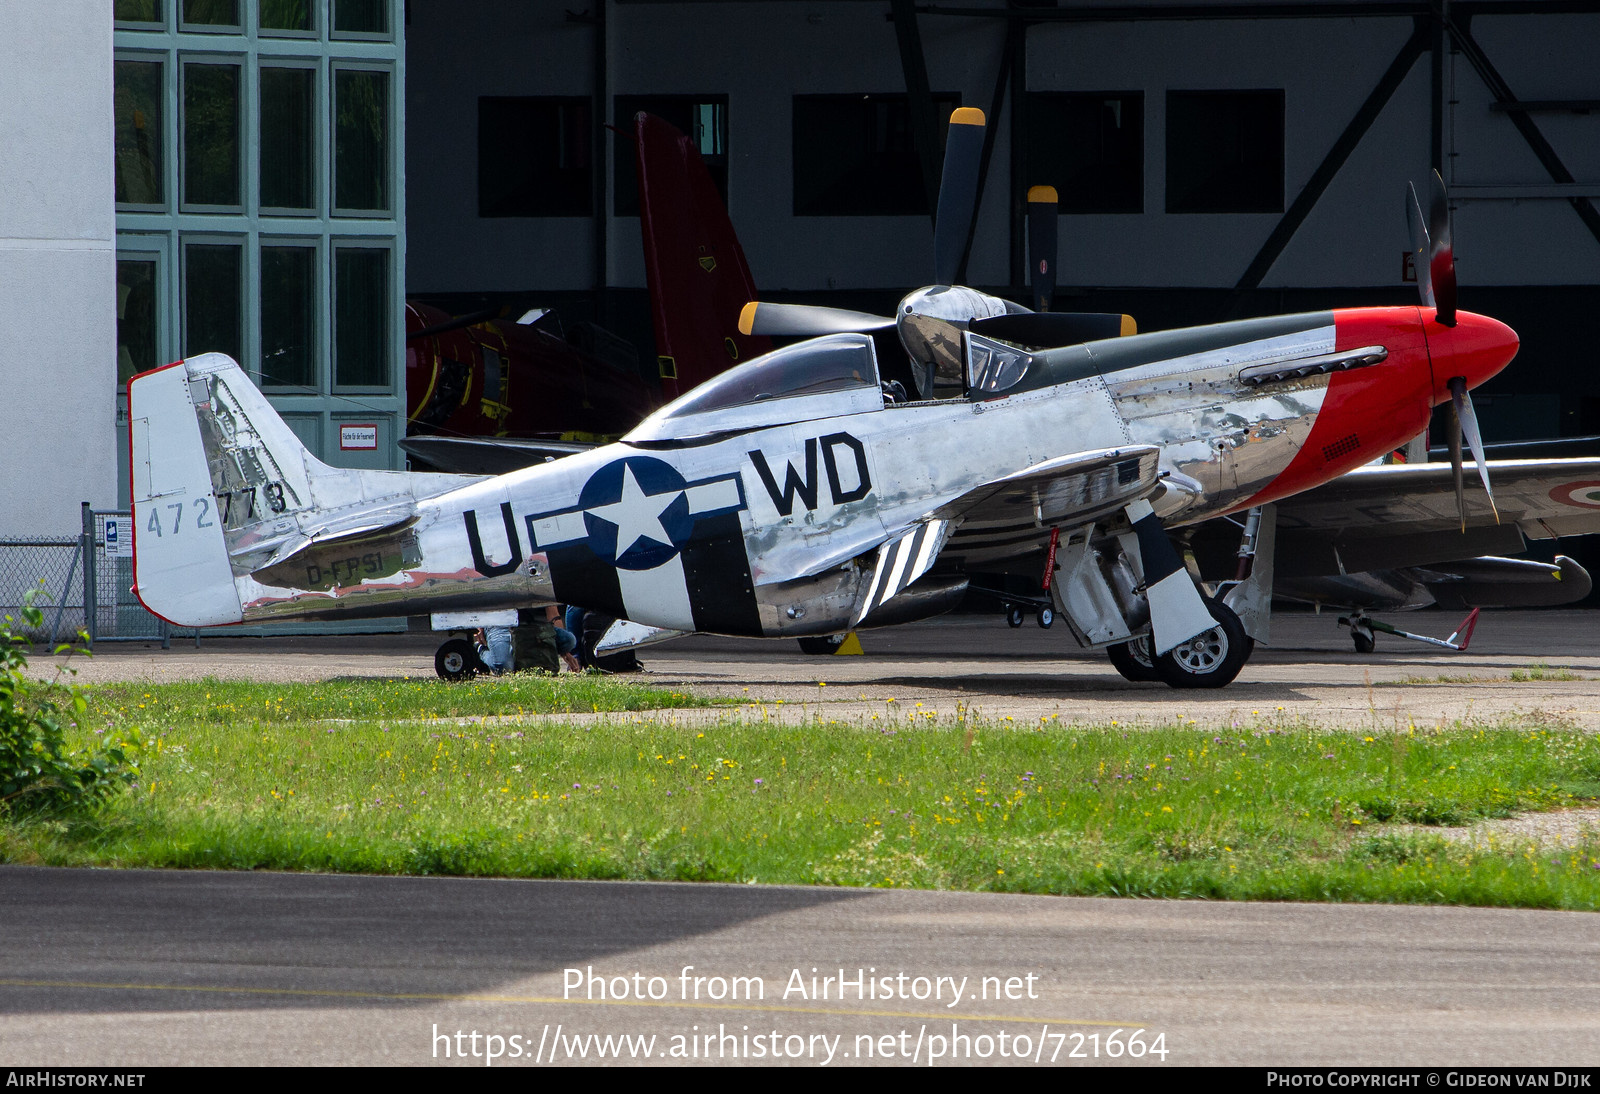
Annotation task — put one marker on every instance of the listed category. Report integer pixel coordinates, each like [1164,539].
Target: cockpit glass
[836,363]
[994,366]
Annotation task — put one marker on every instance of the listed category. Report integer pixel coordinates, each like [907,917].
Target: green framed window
[361,316]
[287,136]
[286,17]
[213,280]
[209,14]
[211,151]
[360,140]
[138,315]
[288,314]
[361,18]
[139,111]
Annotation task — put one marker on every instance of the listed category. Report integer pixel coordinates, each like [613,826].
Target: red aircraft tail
[697,274]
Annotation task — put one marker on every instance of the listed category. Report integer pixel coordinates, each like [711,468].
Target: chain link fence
[83,584]
[53,570]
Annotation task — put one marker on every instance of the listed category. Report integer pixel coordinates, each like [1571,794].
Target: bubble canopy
[837,374]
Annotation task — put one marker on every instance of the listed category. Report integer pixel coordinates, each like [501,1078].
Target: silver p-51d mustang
[792,496]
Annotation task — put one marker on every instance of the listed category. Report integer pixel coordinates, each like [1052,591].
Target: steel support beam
[924,126]
[600,142]
[1326,9]
[1019,155]
[1461,31]
[1414,47]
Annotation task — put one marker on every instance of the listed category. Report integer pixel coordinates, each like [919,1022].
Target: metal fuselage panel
[767,531]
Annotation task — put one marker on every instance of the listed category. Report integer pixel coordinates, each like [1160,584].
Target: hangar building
[274,178]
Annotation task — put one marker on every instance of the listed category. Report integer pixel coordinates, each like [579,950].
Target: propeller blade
[1441,256]
[1042,245]
[1462,401]
[958,192]
[1455,455]
[1420,249]
[806,320]
[1055,328]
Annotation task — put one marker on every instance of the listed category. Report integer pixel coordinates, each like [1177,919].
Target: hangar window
[360,140]
[139,96]
[211,134]
[287,124]
[361,313]
[137,11]
[702,118]
[286,16]
[1090,147]
[1225,151]
[210,14]
[138,317]
[288,308]
[534,157]
[854,156]
[360,17]
[211,287]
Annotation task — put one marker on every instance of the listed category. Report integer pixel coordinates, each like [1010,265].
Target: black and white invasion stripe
[900,562]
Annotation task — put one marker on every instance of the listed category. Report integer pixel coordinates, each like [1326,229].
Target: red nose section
[1477,347]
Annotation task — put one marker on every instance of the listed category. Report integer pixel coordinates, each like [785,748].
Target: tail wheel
[456,660]
[826,643]
[1210,659]
[1133,660]
[1363,639]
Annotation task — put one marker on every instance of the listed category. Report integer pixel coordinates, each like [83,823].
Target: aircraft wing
[1012,515]
[1405,515]
[486,455]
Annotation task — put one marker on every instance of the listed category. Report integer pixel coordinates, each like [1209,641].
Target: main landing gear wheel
[1210,659]
[1133,660]
[456,660]
[1015,616]
[1047,616]
[820,644]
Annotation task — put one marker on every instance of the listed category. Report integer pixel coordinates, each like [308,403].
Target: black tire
[456,660]
[1363,642]
[1211,659]
[1133,661]
[1014,617]
[1047,616]
[821,644]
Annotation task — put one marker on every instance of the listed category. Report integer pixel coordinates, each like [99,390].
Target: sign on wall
[358,436]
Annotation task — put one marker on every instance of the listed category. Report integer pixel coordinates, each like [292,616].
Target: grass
[227,702]
[235,779]
[1538,671]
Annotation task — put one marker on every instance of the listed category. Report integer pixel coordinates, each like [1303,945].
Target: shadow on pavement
[132,940]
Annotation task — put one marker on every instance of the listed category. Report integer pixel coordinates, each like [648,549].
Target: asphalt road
[133,968]
[977,663]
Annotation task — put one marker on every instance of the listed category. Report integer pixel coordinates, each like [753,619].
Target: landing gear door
[1084,590]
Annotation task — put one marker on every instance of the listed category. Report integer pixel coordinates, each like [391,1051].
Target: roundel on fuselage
[636,512]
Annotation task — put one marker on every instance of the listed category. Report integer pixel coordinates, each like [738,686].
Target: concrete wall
[57,264]
[760,54]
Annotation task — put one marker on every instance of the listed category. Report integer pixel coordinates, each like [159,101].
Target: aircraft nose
[1477,347]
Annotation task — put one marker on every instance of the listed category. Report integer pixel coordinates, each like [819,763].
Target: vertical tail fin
[181,570]
[223,489]
[696,270]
